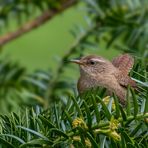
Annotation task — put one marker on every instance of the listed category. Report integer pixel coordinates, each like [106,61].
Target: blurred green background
[41,48]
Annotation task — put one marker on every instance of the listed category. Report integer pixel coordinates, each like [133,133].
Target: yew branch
[29,26]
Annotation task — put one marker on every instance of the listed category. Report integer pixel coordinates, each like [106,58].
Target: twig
[70,133]
[46,16]
[139,116]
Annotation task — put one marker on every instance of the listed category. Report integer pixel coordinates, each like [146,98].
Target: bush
[41,110]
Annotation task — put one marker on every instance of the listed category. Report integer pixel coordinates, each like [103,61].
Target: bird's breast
[106,81]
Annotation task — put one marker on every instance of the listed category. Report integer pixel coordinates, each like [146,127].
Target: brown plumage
[96,71]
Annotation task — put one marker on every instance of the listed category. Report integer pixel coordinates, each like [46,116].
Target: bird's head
[92,64]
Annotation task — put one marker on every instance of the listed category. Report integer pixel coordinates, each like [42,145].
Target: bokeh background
[41,48]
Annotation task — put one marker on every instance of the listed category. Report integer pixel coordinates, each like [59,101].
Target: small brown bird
[97,71]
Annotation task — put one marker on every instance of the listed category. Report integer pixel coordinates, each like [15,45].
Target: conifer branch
[37,22]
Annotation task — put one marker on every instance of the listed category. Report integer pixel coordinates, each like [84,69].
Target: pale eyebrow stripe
[98,60]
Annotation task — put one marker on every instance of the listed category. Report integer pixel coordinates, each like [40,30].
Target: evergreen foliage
[40,110]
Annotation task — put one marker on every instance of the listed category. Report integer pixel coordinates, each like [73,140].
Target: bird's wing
[124,63]
[125,80]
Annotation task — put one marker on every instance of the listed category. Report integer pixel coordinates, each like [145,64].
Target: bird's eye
[92,62]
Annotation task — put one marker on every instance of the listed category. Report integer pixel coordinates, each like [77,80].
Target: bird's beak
[76,61]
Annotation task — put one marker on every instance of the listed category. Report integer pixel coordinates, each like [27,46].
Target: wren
[96,71]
